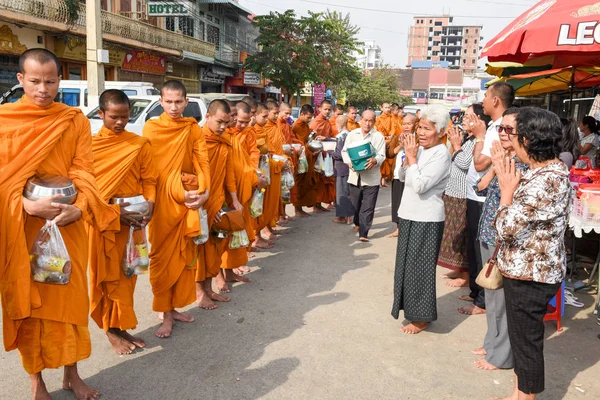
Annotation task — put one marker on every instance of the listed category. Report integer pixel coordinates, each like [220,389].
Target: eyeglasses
[508,129]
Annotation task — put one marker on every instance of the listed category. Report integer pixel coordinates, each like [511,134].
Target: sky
[388,21]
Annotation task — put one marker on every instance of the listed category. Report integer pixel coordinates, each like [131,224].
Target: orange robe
[352,125]
[124,168]
[245,180]
[290,138]
[247,138]
[48,323]
[272,137]
[325,186]
[178,146]
[305,183]
[398,124]
[386,125]
[333,125]
[222,180]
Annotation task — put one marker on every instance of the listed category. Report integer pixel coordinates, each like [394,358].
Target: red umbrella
[566,31]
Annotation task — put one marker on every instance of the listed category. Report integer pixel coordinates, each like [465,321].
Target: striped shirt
[461,160]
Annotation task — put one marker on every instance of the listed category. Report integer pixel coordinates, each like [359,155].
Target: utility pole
[95,70]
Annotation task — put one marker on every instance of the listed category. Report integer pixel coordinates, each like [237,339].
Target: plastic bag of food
[320,164]
[265,167]
[136,260]
[287,180]
[256,203]
[49,259]
[328,166]
[238,240]
[302,163]
[204,231]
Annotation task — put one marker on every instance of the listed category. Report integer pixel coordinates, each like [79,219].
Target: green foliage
[295,50]
[374,88]
[73,7]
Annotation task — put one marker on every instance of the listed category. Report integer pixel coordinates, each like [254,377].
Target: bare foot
[364,239]
[471,310]
[282,221]
[182,317]
[466,297]
[221,284]
[483,364]
[356,228]
[137,341]
[263,244]
[289,218]
[319,208]
[451,275]
[349,220]
[166,327]
[119,344]
[339,220]
[250,255]
[300,213]
[480,351]
[242,270]
[330,206]
[231,276]
[72,381]
[217,297]
[393,235]
[415,327]
[38,388]
[458,282]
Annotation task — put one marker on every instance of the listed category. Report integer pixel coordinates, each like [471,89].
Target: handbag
[490,276]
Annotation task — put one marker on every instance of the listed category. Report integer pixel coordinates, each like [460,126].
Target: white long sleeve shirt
[425,183]
[371,177]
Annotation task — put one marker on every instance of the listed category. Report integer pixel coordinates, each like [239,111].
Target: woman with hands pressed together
[425,171]
[531,222]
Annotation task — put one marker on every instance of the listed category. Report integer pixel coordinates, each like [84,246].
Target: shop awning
[230,2]
[197,57]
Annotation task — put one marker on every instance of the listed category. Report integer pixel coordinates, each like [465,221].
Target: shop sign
[251,78]
[9,42]
[272,89]
[306,91]
[208,75]
[319,93]
[145,62]
[71,49]
[161,8]
[341,97]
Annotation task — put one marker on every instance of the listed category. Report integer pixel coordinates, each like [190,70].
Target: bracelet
[505,205]
[479,141]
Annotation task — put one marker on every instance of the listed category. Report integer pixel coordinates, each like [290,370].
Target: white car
[144,108]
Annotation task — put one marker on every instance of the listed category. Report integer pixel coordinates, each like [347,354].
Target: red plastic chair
[554,312]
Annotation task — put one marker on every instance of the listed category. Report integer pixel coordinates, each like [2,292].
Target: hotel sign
[163,8]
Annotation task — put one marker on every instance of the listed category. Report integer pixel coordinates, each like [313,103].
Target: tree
[374,88]
[316,48]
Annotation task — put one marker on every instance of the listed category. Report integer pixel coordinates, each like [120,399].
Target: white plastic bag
[319,164]
[302,163]
[239,239]
[256,203]
[265,167]
[203,236]
[328,166]
[49,258]
[136,260]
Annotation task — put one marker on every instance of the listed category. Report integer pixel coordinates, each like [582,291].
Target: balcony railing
[56,11]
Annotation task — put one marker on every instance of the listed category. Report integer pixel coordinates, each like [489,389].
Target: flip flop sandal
[572,302]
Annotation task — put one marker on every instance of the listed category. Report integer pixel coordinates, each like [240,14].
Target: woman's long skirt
[416,261]
[453,253]
[397,190]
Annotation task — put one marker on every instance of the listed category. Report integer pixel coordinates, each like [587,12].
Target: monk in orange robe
[270,143]
[222,181]
[246,177]
[352,119]
[306,182]
[181,159]
[386,125]
[337,111]
[46,322]
[285,111]
[397,113]
[253,106]
[325,186]
[124,168]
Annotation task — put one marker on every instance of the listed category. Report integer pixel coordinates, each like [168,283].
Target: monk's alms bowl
[137,204]
[315,145]
[38,188]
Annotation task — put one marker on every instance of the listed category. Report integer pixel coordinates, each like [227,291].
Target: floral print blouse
[532,228]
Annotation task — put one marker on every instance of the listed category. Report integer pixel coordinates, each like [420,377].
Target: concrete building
[437,39]
[370,57]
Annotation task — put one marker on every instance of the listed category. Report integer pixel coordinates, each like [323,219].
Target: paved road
[315,324]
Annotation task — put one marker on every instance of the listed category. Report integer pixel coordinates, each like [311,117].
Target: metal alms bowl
[137,204]
[38,188]
[315,145]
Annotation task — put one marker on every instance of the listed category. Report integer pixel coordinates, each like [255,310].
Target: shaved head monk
[305,183]
[386,125]
[47,322]
[325,186]
[124,168]
[285,111]
[397,113]
[352,115]
[181,159]
[337,111]
[222,187]
[253,104]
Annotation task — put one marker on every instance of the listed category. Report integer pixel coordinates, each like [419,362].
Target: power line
[401,12]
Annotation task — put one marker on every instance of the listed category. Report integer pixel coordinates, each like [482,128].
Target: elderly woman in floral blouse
[531,223]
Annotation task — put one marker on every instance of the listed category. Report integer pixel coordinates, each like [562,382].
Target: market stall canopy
[566,30]
[507,68]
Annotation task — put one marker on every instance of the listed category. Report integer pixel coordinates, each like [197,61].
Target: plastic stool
[555,312]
